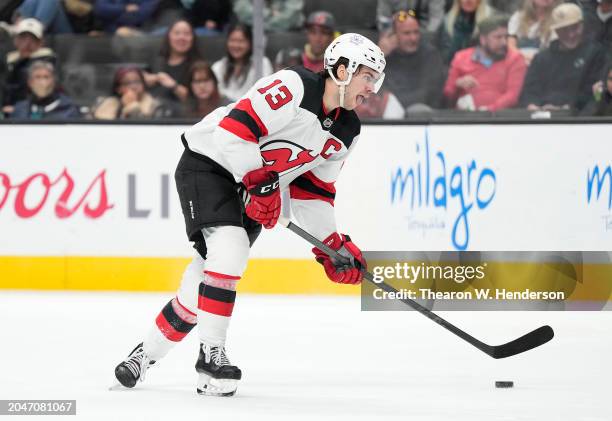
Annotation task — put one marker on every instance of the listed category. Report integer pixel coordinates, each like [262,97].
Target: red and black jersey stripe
[309,187]
[215,300]
[244,122]
[175,321]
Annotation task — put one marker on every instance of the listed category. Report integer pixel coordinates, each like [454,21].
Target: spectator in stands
[562,76]
[414,72]
[45,101]
[169,75]
[529,27]
[601,103]
[204,96]
[29,44]
[383,105]
[50,13]
[236,71]
[209,17]
[430,13]
[279,15]
[319,33]
[129,100]
[460,27]
[598,23]
[488,77]
[287,57]
[124,17]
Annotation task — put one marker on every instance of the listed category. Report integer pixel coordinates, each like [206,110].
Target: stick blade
[526,342]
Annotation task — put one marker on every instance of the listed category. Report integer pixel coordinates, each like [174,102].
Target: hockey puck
[504,384]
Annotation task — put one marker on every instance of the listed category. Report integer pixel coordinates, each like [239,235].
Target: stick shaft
[525,343]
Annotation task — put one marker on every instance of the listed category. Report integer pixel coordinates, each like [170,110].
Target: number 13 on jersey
[279,94]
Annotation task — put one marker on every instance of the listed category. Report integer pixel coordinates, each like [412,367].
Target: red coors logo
[63,209]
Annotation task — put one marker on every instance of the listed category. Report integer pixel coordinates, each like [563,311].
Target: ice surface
[306,358]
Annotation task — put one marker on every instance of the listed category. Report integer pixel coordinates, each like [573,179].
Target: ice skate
[217,377]
[133,369]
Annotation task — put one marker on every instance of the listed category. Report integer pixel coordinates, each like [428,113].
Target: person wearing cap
[28,42]
[45,101]
[319,33]
[562,76]
[488,77]
[415,72]
[279,15]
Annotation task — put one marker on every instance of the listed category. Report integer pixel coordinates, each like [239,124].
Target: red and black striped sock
[175,321]
[216,300]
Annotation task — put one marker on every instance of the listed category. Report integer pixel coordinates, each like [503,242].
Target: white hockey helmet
[358,50]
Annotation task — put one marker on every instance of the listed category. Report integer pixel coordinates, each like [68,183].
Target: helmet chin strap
[341,86]
[341,92]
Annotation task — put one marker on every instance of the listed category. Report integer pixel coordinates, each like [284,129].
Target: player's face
[180,37]
[202,85]
[238,45]
[360,88]
[41,83]
[319,38]
[570,36]
[408,35]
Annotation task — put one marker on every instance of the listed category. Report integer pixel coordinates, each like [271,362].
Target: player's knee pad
[227,251]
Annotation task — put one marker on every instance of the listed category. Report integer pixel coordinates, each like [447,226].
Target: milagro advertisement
[108,190]
[480,187]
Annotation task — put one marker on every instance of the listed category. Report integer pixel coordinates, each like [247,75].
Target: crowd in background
[470,56]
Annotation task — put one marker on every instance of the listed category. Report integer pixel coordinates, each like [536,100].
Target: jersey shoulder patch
[314,87]
[347,127]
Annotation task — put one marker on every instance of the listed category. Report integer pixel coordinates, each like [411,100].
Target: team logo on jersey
[327,123]
[284,156]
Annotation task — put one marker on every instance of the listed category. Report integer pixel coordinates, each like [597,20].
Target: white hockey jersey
[281,123]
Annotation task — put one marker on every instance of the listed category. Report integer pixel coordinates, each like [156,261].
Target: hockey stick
[526,342]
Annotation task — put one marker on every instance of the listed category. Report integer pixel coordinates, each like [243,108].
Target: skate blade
[210,386]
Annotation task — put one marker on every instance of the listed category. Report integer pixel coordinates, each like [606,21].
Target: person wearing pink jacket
[488,77]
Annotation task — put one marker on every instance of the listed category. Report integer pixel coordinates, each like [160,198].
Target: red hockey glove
[264,205]
[336,271]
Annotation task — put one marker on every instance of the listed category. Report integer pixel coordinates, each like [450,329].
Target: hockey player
[292,130]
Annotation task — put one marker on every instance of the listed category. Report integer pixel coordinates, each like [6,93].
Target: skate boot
[217,376]
[133,369]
